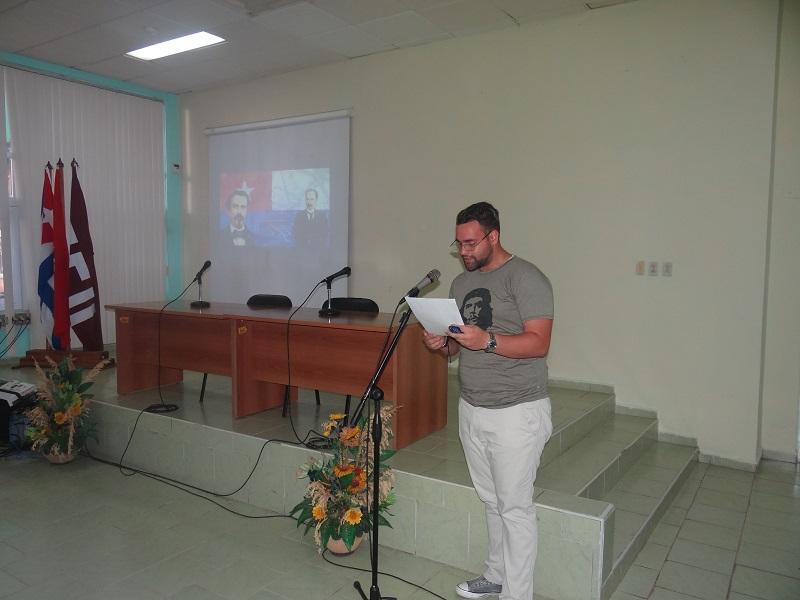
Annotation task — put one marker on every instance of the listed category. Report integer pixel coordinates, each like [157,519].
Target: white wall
[782,349]
[641,131]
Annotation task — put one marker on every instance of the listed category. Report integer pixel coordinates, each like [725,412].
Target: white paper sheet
[436,314]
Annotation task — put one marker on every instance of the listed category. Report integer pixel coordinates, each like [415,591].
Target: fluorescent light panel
[193,41]
[605,3]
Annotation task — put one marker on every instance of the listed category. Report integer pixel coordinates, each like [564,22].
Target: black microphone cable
[319,442]
[17,335]
[163,407]
[306,442]
[10,329]
[129,471]
[397,577]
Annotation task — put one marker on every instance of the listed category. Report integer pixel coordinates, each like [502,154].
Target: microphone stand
[199,303]
[330,311]
[376,394]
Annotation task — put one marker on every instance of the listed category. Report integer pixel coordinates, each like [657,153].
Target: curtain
[5,213]
[118,141]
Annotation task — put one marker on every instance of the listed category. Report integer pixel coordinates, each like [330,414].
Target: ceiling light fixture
[595,4]
[193,41]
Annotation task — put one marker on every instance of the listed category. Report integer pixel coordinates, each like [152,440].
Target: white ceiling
[94,35]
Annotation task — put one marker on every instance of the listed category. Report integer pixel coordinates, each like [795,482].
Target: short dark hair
[316,193]
[482,212]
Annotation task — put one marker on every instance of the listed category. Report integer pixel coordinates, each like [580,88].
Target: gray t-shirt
[501,301]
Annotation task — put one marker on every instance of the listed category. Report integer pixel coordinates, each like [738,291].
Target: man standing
[504,410]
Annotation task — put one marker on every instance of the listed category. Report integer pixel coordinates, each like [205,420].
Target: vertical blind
[118,141]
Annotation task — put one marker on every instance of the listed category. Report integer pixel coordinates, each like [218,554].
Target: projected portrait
[244,202]
[237,216]
[310,225]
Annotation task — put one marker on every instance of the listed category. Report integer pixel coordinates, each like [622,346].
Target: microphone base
[329,312]
[200,304]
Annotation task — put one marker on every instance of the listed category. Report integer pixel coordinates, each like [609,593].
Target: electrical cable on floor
[319,441]
[10,329]
[411,583]
[163,407]
[306,442]
[10,345]
[135,471]
[185,487]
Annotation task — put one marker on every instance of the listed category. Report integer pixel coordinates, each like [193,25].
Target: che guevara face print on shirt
[477,308]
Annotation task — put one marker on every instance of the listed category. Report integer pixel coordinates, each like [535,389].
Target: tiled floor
[727,535]
[84,531]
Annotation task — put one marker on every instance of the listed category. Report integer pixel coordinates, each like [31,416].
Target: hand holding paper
[436,314]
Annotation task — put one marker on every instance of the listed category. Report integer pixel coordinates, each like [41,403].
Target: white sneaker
[478,588]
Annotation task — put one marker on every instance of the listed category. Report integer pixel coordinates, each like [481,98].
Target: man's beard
[476,263]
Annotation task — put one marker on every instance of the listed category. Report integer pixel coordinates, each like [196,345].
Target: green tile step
[593,464]
[575,413]
[640,498]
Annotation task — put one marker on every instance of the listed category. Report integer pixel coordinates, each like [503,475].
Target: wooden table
[250,346]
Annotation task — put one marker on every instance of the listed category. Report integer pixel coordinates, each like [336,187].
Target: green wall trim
[173,188]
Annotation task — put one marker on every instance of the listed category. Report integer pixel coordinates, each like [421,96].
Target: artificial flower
[342,470]
[350,436]
[352,516]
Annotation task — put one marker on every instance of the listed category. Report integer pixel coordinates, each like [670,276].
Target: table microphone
[200,303]
[329,279]
[202,270]
[430,278]
[330,311]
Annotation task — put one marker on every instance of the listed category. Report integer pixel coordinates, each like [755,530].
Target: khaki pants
[503,447]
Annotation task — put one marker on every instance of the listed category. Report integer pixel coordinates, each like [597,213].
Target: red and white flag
[60,337]
[84,297]
[45,283]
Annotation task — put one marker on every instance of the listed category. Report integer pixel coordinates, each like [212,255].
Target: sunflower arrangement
[338,498]
[60,423]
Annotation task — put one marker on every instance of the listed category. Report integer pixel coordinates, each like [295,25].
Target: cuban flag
[53,284]
[45,284]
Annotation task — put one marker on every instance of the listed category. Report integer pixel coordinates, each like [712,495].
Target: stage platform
[604,482]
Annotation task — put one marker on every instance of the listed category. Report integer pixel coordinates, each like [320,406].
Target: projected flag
[84,297]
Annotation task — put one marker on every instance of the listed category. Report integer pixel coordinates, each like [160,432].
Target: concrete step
[596,461]
[640,498]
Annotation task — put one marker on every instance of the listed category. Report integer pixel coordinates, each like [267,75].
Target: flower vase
[339,548]
[59,459]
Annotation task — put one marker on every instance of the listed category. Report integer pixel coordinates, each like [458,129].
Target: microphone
[345,271]
[329,311]
[430,278]
[202,270]
[200,303]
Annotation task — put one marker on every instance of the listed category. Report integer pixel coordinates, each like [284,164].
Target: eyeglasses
[469,245]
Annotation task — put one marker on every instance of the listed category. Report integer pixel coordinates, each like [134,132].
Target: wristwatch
[491,345]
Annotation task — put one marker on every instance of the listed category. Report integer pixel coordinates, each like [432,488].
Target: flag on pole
[84,297]
[45,284]
[60,266]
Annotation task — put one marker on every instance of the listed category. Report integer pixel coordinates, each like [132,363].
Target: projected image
[287,208]
[244,202]
[305,194]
